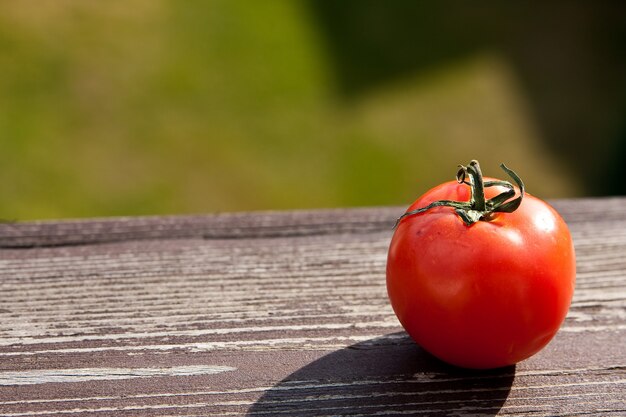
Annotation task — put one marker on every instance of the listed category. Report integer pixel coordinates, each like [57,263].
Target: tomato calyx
[478,208]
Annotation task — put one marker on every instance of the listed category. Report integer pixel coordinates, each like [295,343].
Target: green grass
[148,107]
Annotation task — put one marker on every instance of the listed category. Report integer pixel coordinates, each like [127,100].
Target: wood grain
[280,313]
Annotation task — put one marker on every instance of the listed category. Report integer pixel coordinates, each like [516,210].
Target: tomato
[483,292]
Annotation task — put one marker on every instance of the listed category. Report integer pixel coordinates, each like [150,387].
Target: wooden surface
[275,314]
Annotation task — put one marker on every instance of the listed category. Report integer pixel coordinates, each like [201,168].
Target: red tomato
[484,295]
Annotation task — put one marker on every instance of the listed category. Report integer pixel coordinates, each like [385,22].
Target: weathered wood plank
[274,314]
[246,225]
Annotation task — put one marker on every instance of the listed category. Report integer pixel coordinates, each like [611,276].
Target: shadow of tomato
[388,376]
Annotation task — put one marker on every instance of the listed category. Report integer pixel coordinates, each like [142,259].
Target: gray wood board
[281,313]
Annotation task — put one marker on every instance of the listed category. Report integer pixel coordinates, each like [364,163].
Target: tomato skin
[486,295]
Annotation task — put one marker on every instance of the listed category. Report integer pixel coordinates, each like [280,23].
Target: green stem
[478,186]
[478,208]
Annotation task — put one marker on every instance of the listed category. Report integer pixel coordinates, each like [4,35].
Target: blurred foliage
[568,58]
[155,107]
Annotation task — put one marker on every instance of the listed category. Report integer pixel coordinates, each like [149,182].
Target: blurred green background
[164,107]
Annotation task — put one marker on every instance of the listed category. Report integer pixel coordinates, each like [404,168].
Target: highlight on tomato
[480,273]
